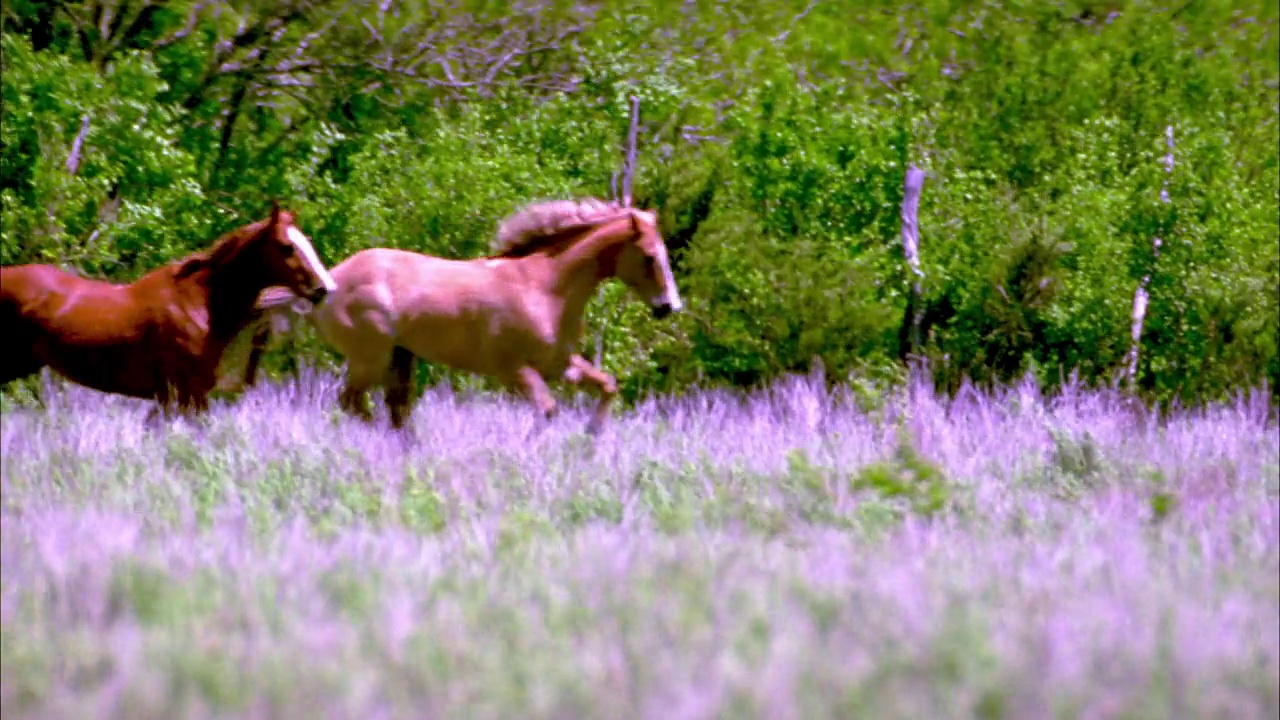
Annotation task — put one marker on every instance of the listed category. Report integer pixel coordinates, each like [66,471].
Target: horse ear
[646,215]
[275,210]
[192,264]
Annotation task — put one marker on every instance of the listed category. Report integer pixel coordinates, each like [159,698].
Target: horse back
[402,281]
[67,304]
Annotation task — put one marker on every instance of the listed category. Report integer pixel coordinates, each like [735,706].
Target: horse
[162,336]
[514,315]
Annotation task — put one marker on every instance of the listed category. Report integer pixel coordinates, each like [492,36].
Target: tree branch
[795,19]
[185,31]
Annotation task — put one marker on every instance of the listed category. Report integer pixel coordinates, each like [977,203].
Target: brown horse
[515,316]
[161,337]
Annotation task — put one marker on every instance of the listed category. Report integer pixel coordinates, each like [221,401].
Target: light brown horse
[161,337]
[515,316]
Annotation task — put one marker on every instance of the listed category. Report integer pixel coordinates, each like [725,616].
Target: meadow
[790,552]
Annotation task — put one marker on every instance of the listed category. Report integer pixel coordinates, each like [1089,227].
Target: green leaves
[773,144]
[94,177]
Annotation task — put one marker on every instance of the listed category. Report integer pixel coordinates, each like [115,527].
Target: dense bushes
[774,147]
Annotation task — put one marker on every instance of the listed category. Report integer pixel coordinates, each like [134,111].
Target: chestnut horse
[161,337]
[515,315]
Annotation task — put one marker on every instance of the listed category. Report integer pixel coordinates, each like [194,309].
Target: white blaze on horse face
[672,295]
[308,253]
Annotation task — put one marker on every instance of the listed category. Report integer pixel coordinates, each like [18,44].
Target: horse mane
[224,248]
[538,225]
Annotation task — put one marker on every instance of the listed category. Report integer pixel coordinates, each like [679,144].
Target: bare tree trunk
[911,249]
[53,228]
[629,169]
[77,147]
[228,128]
[628,174]
[1140,295]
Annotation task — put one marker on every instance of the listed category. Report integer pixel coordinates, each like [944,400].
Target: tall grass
[790,553]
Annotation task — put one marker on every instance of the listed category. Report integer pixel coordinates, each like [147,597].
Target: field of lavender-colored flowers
[791,553]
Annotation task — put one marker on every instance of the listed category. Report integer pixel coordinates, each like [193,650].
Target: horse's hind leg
[19,359]
[399,384]
[17,366]
[581,370]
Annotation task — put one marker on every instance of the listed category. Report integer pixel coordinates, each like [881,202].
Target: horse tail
[19,359]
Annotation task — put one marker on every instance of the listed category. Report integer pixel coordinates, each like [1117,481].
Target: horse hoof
[406,438]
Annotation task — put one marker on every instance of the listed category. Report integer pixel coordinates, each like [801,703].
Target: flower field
[792,553]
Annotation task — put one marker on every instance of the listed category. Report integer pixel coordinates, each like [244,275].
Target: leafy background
[774,142]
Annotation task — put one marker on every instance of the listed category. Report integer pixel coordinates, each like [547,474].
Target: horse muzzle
[317,295]
[661,310]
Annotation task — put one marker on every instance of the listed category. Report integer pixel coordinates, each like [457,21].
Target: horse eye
[287,249]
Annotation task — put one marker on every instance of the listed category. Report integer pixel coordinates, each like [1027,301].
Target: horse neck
[579,269]
[233,288]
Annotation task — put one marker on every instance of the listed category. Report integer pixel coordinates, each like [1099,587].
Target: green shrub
[774,145]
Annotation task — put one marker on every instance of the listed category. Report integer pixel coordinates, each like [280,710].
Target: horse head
[286,257]
[643,265]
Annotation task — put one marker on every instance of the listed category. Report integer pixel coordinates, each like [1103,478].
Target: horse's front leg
[191,408]
[162,413]
[580,370]
[535,387]
[258,347]
[194,405]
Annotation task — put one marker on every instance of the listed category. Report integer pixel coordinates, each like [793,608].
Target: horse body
[516,316]
[434,307]
[162,336]
[82,329]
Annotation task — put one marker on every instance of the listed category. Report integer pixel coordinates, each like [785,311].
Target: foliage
[908,476]
[773,145]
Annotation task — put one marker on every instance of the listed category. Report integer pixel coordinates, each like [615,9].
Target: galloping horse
[515,315]
[161,337]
